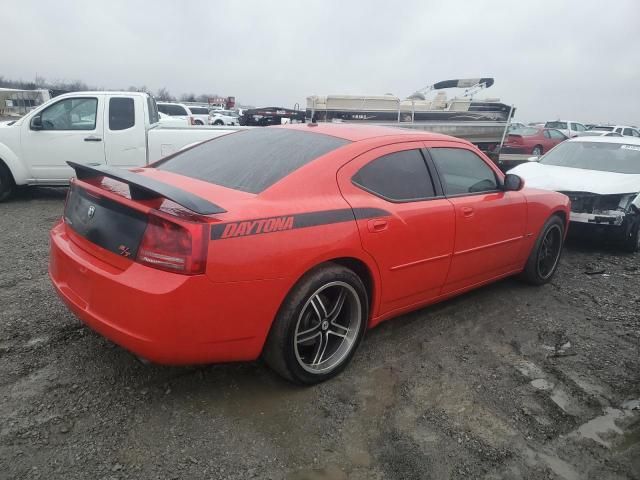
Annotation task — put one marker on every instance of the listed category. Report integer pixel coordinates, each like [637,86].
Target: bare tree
[164,95]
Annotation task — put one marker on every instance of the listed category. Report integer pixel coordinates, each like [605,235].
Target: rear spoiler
[146,188]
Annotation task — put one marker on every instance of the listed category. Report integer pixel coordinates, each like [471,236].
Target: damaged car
[601,176]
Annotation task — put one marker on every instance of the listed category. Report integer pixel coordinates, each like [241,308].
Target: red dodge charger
[289,242]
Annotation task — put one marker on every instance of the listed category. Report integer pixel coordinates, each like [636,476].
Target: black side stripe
[289,222]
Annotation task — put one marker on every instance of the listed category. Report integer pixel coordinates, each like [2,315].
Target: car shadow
[39,193]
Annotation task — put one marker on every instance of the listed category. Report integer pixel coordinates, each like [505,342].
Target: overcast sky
[572,59]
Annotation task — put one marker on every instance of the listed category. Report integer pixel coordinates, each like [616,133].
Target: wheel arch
[16,168]
[365,268]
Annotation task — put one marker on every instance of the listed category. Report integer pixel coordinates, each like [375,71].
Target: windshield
[604,157]
[562,125]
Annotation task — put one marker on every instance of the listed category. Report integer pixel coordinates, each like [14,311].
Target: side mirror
[513,183]
[36,123]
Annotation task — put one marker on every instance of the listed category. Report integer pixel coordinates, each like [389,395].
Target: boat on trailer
[482,122]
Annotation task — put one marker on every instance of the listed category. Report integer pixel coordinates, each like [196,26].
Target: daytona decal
[289,222]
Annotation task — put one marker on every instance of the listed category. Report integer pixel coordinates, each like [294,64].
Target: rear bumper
[164,317]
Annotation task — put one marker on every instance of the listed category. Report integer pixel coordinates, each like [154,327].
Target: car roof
[354,133]
[599,139]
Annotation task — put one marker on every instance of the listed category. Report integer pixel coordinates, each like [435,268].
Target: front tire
[319,326]
[545,255]
[7,185]
[218,123]
[631,241]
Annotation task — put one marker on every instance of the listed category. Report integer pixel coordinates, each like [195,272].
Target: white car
[223,117]
[624,130]
[570,128]
[601,176]
[169,121]
[176,110]
[200,114]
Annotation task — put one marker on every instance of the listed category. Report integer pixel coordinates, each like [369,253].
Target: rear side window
[463,172]
[173,110]
[560,125]
[121,113]
[398,177]
[557,134]
[251,160]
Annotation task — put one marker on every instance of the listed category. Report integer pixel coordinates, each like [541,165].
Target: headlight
[625,201]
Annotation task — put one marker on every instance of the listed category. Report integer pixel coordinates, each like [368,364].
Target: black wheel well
[4,166]
[359,268]
[562,215]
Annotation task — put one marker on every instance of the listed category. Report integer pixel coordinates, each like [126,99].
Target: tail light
[174,247]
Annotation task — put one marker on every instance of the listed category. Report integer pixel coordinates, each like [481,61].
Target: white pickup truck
[94,128]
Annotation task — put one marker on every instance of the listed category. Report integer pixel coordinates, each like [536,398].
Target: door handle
[378,225]
[92,138]
[467,211]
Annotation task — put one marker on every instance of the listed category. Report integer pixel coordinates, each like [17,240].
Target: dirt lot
[506,382]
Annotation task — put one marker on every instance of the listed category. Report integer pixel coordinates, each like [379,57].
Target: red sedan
[289,242]
[533,140]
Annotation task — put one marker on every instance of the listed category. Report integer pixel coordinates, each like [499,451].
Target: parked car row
[122,129]
[198,114]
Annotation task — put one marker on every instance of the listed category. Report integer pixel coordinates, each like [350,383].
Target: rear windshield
[251,160]
[603,129]
[199,110]
[562,125]
[525,132]
[605,157]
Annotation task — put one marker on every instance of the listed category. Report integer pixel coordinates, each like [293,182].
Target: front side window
[121,113]
[71,114]
[463,172]
[398,177]
[578,127]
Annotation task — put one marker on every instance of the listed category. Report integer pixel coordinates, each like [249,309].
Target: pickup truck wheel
[545,255]
[7,185]
[319,326]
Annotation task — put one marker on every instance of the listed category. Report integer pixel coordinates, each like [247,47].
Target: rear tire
[537,151]
[199,122]
[319,326]
[545,255]
[7,185]
[218,122]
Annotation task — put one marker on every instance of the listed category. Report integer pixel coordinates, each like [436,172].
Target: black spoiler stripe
[292,221]
[142,187]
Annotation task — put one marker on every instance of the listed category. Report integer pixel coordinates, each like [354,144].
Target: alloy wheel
[327,327]
[549,251]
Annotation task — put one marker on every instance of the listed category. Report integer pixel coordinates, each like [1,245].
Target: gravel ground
[506,382]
